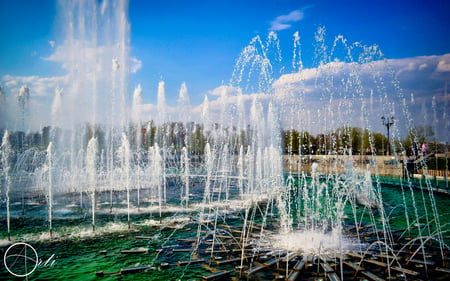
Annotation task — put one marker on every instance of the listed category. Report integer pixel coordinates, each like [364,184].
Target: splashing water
[228,165]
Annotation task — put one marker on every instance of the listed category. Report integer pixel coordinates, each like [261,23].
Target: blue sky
[198,42]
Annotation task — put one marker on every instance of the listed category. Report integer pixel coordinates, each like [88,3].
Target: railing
[434,173]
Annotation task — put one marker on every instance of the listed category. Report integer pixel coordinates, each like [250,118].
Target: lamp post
[388,122]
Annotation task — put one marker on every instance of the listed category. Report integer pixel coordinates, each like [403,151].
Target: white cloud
[353,91]
[277,26]
[42,91]
[39,86]
[443,65]
[408,71]
[225,90]
[284,21]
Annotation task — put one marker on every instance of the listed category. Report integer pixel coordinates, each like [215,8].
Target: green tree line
[360,141]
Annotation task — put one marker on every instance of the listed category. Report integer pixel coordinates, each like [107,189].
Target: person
[424,148]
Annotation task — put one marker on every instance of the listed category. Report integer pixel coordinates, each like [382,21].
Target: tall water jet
[57,105]
[136,117]
[183,103]
[183,116]
[209,168]
[125,162]
[96,57]
[136,111]
[250,164]
[162,132]
[258,170]
[156,173]
[24,102]
[225,172]
[205,117]
[186,175]
[6,154]
[161,102]
[50,186]
[240,167]
[91,171]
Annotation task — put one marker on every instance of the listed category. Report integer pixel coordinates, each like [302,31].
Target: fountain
[228,199]
[6,151]
[91,171]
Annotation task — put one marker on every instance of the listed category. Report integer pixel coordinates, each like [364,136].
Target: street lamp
[388,122]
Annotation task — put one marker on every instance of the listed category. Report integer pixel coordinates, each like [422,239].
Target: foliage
[341,141]
[177,135]
[438,163]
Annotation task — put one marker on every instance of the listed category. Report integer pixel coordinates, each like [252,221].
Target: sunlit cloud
[379,87]
[42,90]
[430,71]
[225,90]
[39,86]
[444,65]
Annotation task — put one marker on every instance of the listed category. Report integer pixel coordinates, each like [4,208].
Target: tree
[356,139]
[366,140]
[290,141]
[379,141]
